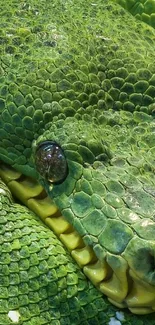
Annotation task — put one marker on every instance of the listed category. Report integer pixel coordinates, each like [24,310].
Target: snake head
[65,151]
[72,159]
[89,170]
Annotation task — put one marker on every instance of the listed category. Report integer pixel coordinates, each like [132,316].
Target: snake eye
[51,162]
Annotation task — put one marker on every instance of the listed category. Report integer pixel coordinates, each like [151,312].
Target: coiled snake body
[77,90]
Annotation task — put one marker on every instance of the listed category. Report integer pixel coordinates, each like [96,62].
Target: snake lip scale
[77,149]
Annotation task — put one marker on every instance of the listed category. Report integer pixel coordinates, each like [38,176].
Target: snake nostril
[51,162]
[140,255]
[151,261]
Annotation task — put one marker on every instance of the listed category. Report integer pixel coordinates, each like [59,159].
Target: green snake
[77,118]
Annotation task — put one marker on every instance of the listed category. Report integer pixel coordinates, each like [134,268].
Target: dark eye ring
[51,162]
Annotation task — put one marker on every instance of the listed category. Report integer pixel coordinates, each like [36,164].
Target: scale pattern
[142,10]
[93,93]
[39,280]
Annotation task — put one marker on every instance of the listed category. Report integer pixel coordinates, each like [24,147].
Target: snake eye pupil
[51,162]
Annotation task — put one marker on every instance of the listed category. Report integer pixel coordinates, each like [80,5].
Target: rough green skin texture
[143,10]
[82,74]
[38,277]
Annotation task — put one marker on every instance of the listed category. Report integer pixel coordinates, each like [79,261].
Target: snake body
[77,114]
